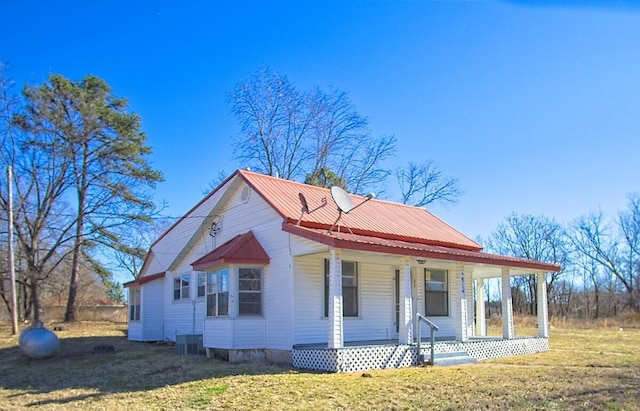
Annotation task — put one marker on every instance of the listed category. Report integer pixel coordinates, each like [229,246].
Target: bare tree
[535,238]
[629,221]
[591,282]
[423,183]
[597,240]
[273,121]
[297,135]
[335,127]
[362,167]
[129,256]
[343,149]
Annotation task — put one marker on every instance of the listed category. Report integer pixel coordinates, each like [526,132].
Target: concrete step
[449,358]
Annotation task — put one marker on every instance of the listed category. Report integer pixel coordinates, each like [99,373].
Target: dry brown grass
[585,369]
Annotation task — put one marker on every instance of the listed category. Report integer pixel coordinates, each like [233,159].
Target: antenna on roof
[305,206]
[345,204]
[216,226]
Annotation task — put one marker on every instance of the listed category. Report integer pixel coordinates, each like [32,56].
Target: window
[181,287]
[201,285]
[349,288]
[134,304]
[250,291]
[218,293]
[436,292]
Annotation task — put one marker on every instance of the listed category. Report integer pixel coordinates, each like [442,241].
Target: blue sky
[533,106]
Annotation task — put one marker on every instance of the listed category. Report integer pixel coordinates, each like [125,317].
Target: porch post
[336,337]
[543,309]
[463,333]
[405,331]
[469,290]
[507,306]
[481,321]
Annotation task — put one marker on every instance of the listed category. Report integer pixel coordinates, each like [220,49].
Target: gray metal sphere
[37,342]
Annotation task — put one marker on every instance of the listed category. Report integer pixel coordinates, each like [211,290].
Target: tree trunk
[28,302]
[81,187]
[71,312]
[35,301]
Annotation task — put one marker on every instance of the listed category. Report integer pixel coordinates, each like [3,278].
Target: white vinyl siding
[217,332]
[152,310]
[273,329]
[248,333]
[310,324]
[277,285]
[182,316]
[375,287]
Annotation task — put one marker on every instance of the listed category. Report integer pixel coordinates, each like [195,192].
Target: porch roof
[360,242]
[241,249]
[144,279]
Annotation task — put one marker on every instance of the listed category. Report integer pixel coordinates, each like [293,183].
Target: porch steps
[446,359]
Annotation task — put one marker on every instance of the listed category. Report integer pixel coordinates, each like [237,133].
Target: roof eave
[479,258]
[144,279]
[208,265]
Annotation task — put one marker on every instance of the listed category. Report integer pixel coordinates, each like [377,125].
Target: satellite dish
[345,204]
[342,199]
[305,206]
[303,201]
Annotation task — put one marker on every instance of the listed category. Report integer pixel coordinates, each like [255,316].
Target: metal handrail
[433,329]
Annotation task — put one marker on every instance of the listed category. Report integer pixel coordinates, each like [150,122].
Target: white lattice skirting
[363,358]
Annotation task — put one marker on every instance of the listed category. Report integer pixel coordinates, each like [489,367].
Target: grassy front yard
[585,369]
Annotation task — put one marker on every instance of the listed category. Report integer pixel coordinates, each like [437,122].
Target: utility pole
[12,270]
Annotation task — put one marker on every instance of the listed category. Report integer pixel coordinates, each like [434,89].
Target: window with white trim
[181,287]
[349,288]
[134,304]
[249,291]
[218,293]
[436,292]
[202,289]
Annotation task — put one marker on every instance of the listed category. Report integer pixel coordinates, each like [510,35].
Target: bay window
[250,291]
[201,285]
[217,288]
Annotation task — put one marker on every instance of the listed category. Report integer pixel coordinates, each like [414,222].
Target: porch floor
[377,354]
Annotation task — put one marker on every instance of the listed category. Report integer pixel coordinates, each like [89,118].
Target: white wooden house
[259,278]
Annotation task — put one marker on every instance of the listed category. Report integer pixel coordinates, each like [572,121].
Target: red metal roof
[145,279]
[376,218]
[346,240]
[241,249]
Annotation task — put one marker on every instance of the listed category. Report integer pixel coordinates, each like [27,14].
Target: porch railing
[433,328]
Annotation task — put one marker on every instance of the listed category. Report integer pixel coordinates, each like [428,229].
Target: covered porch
[467,309]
